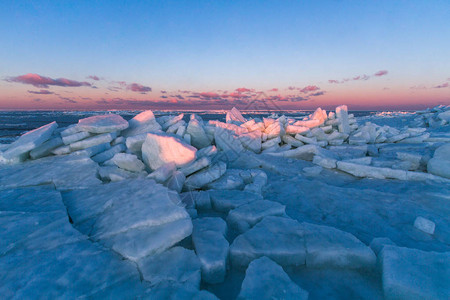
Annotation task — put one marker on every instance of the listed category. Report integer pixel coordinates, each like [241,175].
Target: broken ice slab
[103,123]
[65,172]
[205,176]
[424,225]
[160,148]
[176,264]
[19,149]
[46,148]
[278,238]
[93,141]
[134,217]
[246,216]
[330,247]
[69,139]
[211,248]
[265,279]
[290,243]
[234,115]
[108,153]
[128,162]
[196,165]
[225,200]
[415,274]
[440,163]
[142,123]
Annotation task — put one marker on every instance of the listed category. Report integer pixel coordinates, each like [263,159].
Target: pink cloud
[44,82]
[243,90]
[209,95]
[273,90]
[441,86]
[93,77]
[309,88]
[41,92]
[136,87]
[333,81]
[381,73]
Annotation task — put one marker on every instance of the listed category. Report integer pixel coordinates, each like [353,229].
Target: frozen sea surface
[283,215]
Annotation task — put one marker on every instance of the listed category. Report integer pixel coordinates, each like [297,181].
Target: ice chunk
[176,182]
[134,143]
[142,123]
[159,149]
[292,141]
[251,140]
[173,290]
[46,148]
[306,152]
[199,139]
[143,241]
[93,141]
[69,139]
[18,150]
[211,248]
[176,264]
[200,199]
[326,162]
[69,130]
[294,129]
[196,165]
[415,274]
[163,173]
[246,216]
[208,151]
[234,115]
[264,279]
[109,153]
[440,163]
[229,181]
[278,238]
[424,225]
[134,217]
[342,116]
[225,140]
[377,244]
[103,123]
[113,173]
[274,130]
[330,247]
[128,162]
[225,200]
[91,151]
[65,172]
[61,150]
[202,178]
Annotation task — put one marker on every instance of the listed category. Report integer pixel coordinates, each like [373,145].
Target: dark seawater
[15,123]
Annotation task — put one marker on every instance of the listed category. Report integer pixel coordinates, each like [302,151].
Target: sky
[200,55]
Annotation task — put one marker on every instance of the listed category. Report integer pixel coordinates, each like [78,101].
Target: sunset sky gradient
[219,54]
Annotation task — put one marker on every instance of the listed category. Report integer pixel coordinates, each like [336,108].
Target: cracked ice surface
[173,206]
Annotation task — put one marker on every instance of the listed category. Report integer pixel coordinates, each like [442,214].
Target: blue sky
[216,46]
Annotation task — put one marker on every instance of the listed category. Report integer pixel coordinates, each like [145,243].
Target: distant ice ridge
[198,197]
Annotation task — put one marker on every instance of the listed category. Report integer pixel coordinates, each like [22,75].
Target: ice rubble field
[325,206]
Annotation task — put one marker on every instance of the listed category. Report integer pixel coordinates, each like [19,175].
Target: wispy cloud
[309,88]
[243,90]
[442,86]
[44,82]
[93,77]
[41,92]
[381,73]
[136,87]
